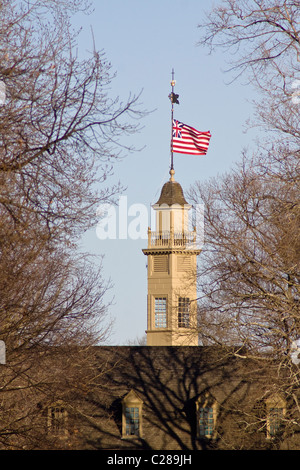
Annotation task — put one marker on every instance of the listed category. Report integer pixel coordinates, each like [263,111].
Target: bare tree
[60,128]
[263,39]
[258,218]
[60,134]
[261,35]
[249,270]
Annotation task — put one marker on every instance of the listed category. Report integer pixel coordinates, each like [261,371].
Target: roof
[172,193]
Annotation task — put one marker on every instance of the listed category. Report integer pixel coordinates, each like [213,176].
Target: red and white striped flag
[188,140]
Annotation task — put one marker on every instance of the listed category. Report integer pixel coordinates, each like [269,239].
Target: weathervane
[174,99]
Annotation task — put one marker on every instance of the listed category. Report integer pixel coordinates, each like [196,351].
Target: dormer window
[131,416]
[276,410]
[57,420]
[206,416]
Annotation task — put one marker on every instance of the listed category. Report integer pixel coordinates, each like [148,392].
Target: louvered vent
[183,263]
[160,264]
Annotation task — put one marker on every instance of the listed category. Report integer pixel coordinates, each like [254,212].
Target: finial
[172,173]
[173,82]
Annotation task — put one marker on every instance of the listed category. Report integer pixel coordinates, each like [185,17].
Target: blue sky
[144,41]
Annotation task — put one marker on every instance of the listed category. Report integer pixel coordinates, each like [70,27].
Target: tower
[172,263]
[172,251]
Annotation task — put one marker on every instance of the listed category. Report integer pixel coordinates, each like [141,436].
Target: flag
[188,140]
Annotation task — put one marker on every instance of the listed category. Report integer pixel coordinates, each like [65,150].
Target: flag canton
[177,128]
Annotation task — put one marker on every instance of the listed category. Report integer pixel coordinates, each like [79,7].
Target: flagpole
[172,117]
[174,99]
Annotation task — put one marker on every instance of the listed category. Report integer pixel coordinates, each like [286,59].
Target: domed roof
[172,193]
